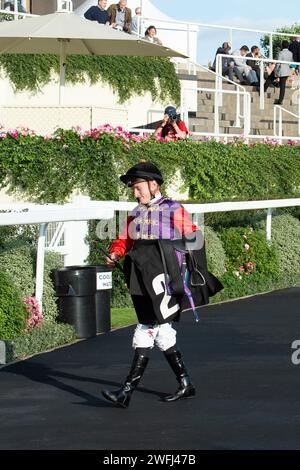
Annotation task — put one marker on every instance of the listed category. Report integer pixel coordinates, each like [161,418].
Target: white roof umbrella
[64,32]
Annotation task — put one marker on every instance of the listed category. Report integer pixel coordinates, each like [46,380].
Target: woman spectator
[150,35]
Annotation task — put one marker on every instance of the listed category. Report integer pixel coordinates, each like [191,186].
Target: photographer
[171,128]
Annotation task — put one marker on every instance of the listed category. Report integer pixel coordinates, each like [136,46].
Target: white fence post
[40,261]
[271,47]
[261,86]
[280,125]
[238,111]
[269,225]
[16,9]
[75,237]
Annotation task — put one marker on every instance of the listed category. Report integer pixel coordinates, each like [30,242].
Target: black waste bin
[84,298]
[102,298]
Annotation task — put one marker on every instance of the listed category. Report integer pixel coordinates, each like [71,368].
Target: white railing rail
[64,5]
[84,210]
[190,27]
[280,111]
[16,14]
[247,59]
[245,116]
[224,137]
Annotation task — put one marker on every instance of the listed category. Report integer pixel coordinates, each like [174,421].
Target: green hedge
[18,260]
[216,256]
[244,246]
[235,288]
[286,241]
[39,339]
[13,313]
[211,171]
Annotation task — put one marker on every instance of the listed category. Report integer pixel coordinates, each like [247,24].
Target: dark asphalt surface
[239,357]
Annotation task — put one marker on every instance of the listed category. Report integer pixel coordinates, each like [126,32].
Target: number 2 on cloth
[159,287]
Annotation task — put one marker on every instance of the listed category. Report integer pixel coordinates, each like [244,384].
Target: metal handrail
[245,116]
[225,137]
[281,111]
[62,5]
[17,13]
[247,59]
[222,27]
[218,97]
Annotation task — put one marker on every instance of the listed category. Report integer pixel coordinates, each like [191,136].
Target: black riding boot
[122,396]
[186,388]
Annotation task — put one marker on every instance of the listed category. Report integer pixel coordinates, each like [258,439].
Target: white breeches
[145,336]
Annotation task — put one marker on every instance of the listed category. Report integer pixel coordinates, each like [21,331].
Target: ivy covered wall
[127,76]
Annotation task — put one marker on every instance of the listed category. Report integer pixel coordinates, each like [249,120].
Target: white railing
[218,93]
[247,59]
[282,110]
[16,14]
[62,6]
[245,116]
[85,210]
[46,119]
[224,137]
[191,27]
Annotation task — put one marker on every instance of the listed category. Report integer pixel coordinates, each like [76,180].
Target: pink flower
[35,316]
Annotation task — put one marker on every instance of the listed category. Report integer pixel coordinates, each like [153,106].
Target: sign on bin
[104,280]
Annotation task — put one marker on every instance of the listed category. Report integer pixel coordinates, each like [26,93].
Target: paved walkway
[239,356]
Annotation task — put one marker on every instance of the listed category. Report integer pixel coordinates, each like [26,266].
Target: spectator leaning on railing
[120,16]
[150,35]
[98,13]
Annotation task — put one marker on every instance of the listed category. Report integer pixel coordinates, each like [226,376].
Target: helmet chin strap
[151,194]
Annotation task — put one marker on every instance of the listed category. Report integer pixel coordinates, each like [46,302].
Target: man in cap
[171,127]
[154,268]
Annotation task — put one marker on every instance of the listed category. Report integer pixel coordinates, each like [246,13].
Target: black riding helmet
[144,171]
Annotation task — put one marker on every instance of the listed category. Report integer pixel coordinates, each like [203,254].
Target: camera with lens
[171,112]
[173,116]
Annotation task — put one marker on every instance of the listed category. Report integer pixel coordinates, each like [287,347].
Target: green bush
[215,252]
[286,241]
[40,339]
[244,246]
[13,313]
[211,171]
[18,259]
[237,287]
[220,220]
[9,233]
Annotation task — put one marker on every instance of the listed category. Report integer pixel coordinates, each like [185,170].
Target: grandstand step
[262,121]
